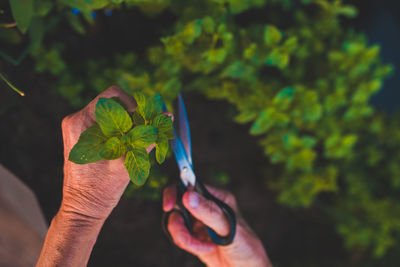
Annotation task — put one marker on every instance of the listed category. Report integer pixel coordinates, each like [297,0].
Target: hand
[92,190]
[90,193]
[246,248]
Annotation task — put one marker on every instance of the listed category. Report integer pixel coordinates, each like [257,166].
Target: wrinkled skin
[94,189]
[90,192]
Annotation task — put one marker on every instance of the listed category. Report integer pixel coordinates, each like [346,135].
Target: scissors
[181,145]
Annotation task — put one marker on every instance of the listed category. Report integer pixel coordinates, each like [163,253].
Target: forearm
[69,241]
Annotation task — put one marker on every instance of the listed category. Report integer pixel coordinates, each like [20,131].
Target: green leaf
[140,99]
[36,32]
[161,148]
[112,149]
[42,8]
[88,147]
[138,165]
[76,23]
[153,107]
[137,118]
[112,118]
[141,136]
[263,123]
[22,11]
[245,116]
[272,35]
[82,5]
[141,103]
[156,104]
[348,11]
[192,31]
[208,25]
[163,123]
[98,4]
[238,70]
[278,58]
[148,108]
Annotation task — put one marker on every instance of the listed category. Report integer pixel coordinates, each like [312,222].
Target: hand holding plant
[91,191]
[114,135]
[94,189]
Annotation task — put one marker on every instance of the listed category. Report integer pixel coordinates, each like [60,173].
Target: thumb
[207,212]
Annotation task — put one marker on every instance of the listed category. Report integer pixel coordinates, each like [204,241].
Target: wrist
[80,222]
[69,240]
[85,207]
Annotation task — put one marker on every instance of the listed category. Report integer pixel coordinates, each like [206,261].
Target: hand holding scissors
[181,146]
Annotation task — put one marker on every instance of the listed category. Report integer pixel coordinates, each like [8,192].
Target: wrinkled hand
[90,193]
[92,190]
[246,248]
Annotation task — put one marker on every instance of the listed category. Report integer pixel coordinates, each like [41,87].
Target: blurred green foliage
[297,76]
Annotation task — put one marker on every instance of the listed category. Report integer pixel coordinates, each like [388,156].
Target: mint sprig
[119,133]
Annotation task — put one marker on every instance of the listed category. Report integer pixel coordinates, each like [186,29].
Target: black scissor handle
[229,214]
[188,218]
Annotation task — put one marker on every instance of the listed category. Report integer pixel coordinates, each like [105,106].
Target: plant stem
[11,85]
[8,25]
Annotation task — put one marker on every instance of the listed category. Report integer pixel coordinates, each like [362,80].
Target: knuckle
[114,88]
[65,122]
[69,121]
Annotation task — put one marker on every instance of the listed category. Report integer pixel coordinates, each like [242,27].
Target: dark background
[380,20]
[31,147]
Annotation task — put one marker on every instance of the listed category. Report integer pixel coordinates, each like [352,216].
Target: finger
[224,196]
[207,212]
[184,239]
[150,148]
[169,198]
[169,114]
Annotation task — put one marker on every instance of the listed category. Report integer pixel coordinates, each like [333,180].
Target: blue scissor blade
[184,130]
[185,167]
[164,107]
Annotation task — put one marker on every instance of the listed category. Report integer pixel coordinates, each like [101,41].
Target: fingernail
[193,200]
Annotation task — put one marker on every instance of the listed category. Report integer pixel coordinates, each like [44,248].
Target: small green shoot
[119,133]
[11,85]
